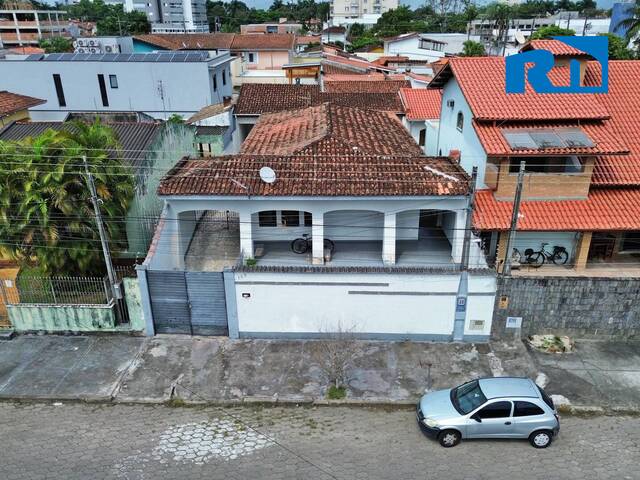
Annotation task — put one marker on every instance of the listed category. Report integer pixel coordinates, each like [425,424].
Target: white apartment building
[171,16]
[342,9]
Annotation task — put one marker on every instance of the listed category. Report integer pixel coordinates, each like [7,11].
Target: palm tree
[632,23]
[46,216]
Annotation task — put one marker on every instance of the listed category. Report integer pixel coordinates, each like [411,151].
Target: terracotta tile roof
[334,29]
[482,81]
[268,41]
[354,175]
[402,36]
[605,139]
[331,69]
[623,103]
[353,77]
[556,47]
[421,103]
[419,77]
[353,61]
[383,86]
[14,102]
[188,41]
[259,98]
[307,39]
[385,60]
[604,209]
[329,129]
[25,50]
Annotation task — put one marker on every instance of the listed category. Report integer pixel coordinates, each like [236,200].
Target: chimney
[454,155]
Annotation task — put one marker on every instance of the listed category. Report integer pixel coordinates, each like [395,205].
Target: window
[57,81]
[467,397]
[103,90]
[460,121]
[267,218]
[113,81]
[215,82]
[496,410]
[251,57]
[423,137]
[308,219]
[290,218]
[526,409]
[224,77]
[631,241]
[569,164]
[547,399]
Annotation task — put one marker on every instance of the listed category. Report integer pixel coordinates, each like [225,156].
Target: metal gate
[188,302]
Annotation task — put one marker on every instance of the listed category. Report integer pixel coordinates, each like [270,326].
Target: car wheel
[449,438]
[541,438]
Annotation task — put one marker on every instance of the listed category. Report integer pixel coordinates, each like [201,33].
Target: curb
[573,410]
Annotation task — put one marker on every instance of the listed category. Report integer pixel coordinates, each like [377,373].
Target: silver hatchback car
[498,407]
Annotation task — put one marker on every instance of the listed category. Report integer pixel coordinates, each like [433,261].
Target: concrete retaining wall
[580,306]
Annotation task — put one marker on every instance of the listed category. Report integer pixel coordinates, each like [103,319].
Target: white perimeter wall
[396,305]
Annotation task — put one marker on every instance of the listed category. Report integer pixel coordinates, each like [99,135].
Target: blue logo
[597,47]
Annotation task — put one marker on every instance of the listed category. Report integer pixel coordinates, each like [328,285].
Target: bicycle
[559,256]
[305,243]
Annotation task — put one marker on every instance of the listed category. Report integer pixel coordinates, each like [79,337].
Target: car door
[493,419]
[527,417]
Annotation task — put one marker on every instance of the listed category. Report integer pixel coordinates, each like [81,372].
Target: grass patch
[336,393]
[250,262]
[175,402]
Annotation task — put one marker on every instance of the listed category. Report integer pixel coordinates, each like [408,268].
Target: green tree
[119,22]
[618,48]
[632,23]
[56,45]
[551,31]
[473,49]
[356,30]
[46,215]
[395,22]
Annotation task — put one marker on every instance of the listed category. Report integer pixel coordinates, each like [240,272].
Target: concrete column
[317,235]
[458,236]
[246,236]
[502,247]
[582,252]
[389,239]
[231,301]
[145,300]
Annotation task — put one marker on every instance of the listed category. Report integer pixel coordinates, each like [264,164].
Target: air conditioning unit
[451,103]
[75,44]
[108,49]
[81,50]
[92,43]
[81,42]
[94,50]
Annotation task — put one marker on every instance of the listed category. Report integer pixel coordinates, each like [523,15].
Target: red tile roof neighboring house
[353,77]
[331,69]
[385,60]
[219,41]
[268,41]
[308,39]
[330,129]
[384,86]
[13,102]
[600,133]
[421,103]
[259,98]
[603,210]
[353,61]
[320,175]
[188,41]
[402,36]
[25,50]
[623,103]
[419,77]
[557,48]
[482,81]
[335,29]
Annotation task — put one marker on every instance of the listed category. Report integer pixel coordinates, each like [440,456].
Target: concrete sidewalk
[216,369]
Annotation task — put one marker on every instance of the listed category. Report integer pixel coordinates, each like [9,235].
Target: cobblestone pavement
[94,441]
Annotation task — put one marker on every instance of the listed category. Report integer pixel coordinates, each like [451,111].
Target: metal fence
[56,290]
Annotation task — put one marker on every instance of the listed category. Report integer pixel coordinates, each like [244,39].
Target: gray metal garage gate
[188,302]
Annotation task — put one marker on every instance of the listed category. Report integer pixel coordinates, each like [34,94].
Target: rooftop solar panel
[150,57]
[109,57]
[35,57]
[165,57]
[519,140]
[53,57]
[546,139]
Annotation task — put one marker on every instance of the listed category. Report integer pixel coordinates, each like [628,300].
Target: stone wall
[578,306]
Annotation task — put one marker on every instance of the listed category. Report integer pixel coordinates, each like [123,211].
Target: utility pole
[460,316]
[506,270]
[113,281]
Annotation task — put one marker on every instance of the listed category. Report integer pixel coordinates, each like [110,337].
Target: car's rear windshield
[547,399]
[467,397]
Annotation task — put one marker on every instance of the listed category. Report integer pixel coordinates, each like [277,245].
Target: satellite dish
[267,175]
[520,37]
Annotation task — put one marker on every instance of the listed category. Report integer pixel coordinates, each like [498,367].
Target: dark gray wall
[583,307]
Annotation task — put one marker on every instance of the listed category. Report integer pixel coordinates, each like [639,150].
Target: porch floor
[425,252]
[592,270]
